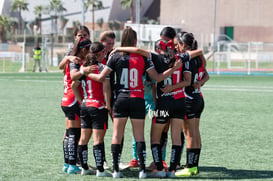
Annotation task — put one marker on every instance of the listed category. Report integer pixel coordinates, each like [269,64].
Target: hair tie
[170,44]
[162,45]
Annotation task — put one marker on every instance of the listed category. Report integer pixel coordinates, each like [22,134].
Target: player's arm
[76,91]
[107,93]
[67,59]
[186,82]
[136,50]
[205,76]
[195,53]
[159,77]
[77,74]
[100,77]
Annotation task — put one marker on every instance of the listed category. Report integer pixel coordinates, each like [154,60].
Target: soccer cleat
[178,167]
[142,175]
[117,175]
[151,167]
[164,164]
[157,174]
[170,174]
[186,172]
[88,172]
[73,169]
[65,167]
[103,174]
[133,163]
[105,166]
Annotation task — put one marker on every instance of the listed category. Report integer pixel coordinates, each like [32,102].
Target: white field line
[239,89]
[238,86]
[38,80]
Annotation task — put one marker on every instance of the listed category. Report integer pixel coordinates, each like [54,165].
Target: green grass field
[236,130]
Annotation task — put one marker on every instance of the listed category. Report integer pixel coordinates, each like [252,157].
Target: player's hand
[177,64]
[89,69]
[113,51]
[93,68]
[167,88]
[197,85]
[74,59]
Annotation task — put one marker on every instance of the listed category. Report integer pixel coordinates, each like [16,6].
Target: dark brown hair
[80,44]
[91,57]
[129,37]
[82,28]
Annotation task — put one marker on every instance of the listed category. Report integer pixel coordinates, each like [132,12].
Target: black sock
[196,157]
[98,152]
[116,152]
[181,148]
[157,156]
[73,138]
[83,156]
[163,141]
[141,154]
[190,157]
[65,147]
[104,159]
[175,154]
[121,146]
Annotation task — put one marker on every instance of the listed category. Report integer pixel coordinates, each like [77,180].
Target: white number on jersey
[133,76]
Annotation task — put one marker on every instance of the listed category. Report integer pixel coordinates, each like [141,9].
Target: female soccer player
[71,107]
[94,113]
[194,104]
[129,69]
[79,32]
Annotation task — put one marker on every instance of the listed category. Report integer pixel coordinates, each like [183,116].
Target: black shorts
[129,107]
[73,112]
[195,106]
[167,108]
[94,118]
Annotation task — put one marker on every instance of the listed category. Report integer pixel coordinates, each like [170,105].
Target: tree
[56,6]
[38,12]
[63,23]
[100,22]
[20,5]
[116,24]
[96,4]
[4,24]
[128,4]
[111,25]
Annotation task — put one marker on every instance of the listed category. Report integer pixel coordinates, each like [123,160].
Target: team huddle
[130,82]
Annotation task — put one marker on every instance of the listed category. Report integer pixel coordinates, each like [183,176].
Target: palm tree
[19,5]
[56,6]
[38,12]
[128,4]
[100,22]
[96,4]
[4,23]
[63,23]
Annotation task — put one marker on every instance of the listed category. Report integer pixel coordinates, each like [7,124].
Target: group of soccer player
[129,82]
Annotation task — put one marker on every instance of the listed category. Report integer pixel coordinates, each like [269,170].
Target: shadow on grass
[224,173]
[216,173]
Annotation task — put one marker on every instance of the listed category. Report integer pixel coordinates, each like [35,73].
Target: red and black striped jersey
[129,69]
[161,65]
[93,91]
[69,98]
[197,69]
